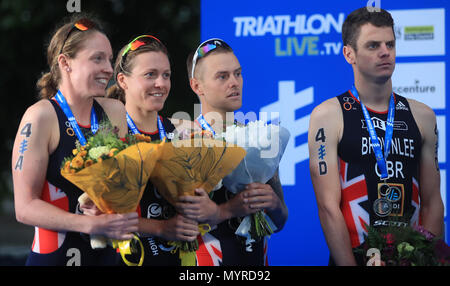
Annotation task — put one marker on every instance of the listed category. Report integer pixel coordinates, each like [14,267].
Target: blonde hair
[66,40]
[125,64]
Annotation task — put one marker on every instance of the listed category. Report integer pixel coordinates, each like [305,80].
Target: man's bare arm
[323,138]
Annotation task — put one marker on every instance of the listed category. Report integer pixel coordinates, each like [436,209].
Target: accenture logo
[421,81]
[416,88]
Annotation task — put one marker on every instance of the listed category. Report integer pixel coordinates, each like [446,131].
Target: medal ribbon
[73,122]
[125,248]
[135,130]
[204,124]
[381,159]
[188,257]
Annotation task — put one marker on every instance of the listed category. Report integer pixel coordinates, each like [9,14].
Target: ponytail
[47,86]
[116,92]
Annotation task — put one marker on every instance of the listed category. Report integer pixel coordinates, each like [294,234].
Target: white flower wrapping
[265,145]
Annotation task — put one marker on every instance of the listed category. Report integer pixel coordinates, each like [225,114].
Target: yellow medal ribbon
[188,257]
[204,228]
[125,248]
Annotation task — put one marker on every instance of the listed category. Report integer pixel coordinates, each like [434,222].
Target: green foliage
[106,136]
[404,246]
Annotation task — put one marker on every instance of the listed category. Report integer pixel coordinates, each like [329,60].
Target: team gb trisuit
[365,197]
[66,248]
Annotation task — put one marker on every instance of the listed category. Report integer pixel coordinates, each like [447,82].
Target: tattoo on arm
[321,152]
[26,131]
[436,147]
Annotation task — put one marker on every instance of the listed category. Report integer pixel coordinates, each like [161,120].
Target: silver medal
[382,207]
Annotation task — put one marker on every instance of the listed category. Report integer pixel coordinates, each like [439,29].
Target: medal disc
[382,207]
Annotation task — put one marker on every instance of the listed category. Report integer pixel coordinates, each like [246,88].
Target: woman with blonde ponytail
[72,103]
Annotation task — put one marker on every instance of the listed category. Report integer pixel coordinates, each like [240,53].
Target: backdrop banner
[291,57]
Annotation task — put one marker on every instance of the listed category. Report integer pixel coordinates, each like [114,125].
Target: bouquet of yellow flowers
[185,165]
[113,174]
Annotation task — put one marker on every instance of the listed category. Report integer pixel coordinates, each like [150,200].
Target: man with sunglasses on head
[215,76]
[373,153]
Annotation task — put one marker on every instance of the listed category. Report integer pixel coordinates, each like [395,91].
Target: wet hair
[218,50]
[352,24]
[67,40]
[124,64]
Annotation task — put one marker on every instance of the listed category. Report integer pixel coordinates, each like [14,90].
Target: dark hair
[65,40]
[124,64]
[219,49]
[352,24]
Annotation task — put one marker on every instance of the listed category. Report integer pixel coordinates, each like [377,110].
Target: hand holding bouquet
[112,173]
[265,145]
[185,166]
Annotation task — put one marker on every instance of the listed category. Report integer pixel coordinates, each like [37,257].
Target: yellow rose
[77,162]
[113,152]
[142,137]
[88,163]
[67,167]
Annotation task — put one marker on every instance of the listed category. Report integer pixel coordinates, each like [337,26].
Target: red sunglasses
[83,24]
[138,42]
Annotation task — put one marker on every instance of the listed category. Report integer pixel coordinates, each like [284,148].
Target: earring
[68,69]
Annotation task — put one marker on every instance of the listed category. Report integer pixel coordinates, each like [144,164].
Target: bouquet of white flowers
[265,145]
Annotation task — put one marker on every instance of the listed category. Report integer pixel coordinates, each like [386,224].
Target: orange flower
[88,163]
[67,167]
[142,137]
[77,162]
[113,152]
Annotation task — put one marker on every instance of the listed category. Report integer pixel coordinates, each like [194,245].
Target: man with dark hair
[373,153]
[352,26]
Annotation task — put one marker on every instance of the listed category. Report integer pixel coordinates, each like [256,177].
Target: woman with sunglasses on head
[215,76]
[142,72]
[71,106]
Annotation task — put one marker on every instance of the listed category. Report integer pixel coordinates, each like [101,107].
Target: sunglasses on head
[139,42]
[204,48]
[83,24]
